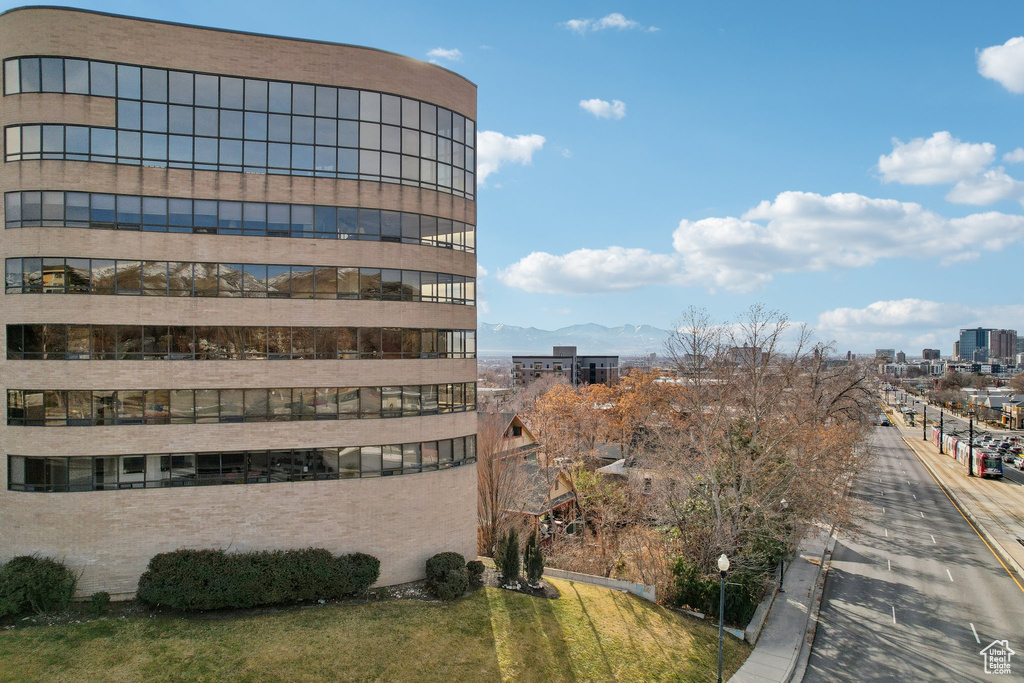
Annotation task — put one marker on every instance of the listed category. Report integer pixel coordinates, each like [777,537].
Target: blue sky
[857,166]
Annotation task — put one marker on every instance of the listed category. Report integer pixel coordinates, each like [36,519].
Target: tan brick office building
[240,299]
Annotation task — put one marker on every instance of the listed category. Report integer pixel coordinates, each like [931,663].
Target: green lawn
[589,634]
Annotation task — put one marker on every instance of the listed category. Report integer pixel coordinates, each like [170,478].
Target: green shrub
[507,558]
[356,573]
[700,591]
[36,584]
[533,560]
[475,569]
[98,602]
[447,576]
[212,579]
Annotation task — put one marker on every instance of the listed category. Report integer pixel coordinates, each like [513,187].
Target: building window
[167,214]
[59,275]
[165,470]
[60,407]
[179,119]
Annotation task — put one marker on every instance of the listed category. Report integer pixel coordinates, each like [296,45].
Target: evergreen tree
[533,561]
[508,558]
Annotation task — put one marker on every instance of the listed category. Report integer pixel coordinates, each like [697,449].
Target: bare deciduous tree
[500,481]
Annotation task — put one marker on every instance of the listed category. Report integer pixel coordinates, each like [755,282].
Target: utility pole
[924,423]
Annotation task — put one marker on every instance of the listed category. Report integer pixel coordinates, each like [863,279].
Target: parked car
[1018,462]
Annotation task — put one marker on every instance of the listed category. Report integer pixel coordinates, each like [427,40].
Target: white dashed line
[886,533]
[933,538]
[893,613]
[949,575]
[975,631]
[890,564]
[922,514]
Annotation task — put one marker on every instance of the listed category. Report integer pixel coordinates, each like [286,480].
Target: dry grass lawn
[590,634]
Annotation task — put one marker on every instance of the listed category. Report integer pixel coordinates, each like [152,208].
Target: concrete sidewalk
[784,644]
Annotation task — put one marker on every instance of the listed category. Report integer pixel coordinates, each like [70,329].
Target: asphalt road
[913,593]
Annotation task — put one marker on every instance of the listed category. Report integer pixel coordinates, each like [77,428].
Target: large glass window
[57,275]
[130,342]
[198,121]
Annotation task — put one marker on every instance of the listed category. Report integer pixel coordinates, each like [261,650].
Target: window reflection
[314,134]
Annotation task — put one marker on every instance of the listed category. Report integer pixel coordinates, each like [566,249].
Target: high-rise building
[972,341]
[901,357]
[885,355]
[930,354]
[240,297]
[1002,344]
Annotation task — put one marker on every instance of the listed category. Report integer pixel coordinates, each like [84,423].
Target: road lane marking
[883,509]
[933,537]
[950,576]
[890,564]
[969,523]
[922,514]
[915,496]
[975,631]
[886,532]
[893,613]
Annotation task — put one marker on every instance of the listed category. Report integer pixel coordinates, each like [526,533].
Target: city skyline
[861,177]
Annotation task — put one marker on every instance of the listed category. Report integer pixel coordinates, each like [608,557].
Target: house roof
[537,487]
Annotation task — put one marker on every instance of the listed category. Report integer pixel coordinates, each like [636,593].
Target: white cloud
[989,187]
[495,149]
[481,272]
[587,271]
[1004,64]
[797,232]
[912,324]
[1014,157]
[959,257]
[616,109]
[439,53]
[613,20]
[939,159]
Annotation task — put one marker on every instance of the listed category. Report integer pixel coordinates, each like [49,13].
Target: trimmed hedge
[697,590]
[447,576]
[475,569]
[36,584]
[213,579]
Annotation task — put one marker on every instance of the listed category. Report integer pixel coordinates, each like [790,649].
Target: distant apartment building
[885,355]
[901,357]
[747,355]
[565,363]
[971,342]
[930,354]
[1002,344]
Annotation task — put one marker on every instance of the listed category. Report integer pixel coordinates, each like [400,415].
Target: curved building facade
[239,304]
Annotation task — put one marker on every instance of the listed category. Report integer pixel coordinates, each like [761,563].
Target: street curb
[798,667]
[993,544]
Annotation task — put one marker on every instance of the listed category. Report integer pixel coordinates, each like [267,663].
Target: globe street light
[723,567]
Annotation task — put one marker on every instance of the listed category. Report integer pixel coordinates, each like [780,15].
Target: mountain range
[590,338]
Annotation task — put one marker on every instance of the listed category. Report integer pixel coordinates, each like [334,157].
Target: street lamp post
[941,435]
[723,567]
[782,562]
[924,422]
[970,442]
